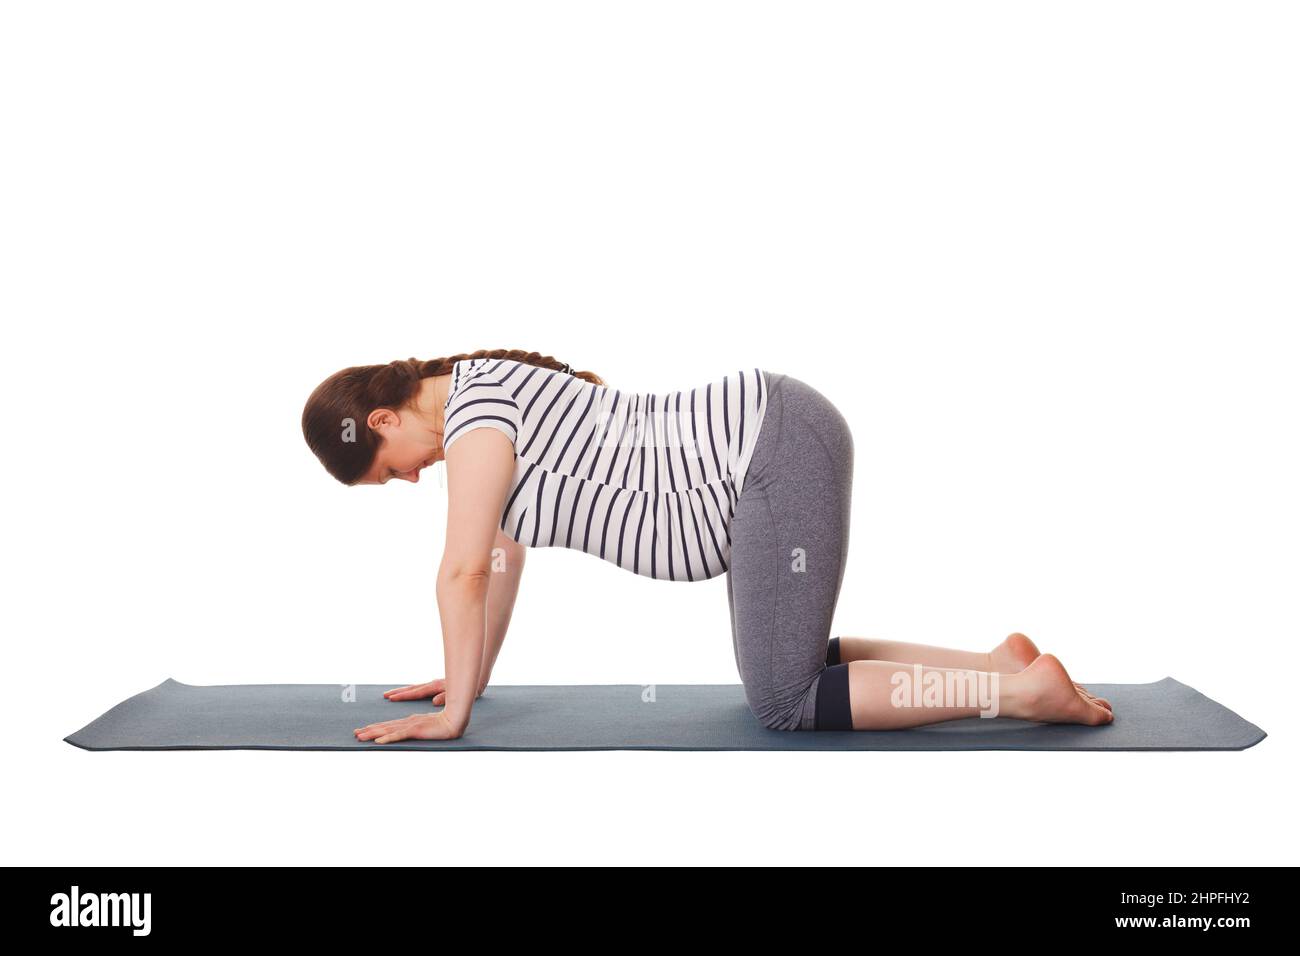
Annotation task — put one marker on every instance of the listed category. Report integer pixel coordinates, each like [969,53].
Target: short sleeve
[480,401]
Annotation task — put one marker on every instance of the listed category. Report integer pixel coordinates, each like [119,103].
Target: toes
[1102,715]
[1091,696]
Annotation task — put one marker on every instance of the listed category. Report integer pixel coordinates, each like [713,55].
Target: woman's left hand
[416,727]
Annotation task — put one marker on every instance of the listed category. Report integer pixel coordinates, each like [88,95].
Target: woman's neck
[432,399]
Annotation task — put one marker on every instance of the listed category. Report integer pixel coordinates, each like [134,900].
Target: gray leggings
[789,544]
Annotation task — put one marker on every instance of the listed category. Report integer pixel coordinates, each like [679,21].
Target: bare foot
[1017,652]
[1014,654]
[1049,695]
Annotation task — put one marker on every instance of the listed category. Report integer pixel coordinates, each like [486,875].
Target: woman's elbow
[469,578]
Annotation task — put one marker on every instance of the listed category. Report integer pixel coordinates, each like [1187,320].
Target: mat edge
[122,703]
[69,739]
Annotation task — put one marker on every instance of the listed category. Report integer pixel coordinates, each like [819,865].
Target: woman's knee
[775,718]
[823,705]
[777,711]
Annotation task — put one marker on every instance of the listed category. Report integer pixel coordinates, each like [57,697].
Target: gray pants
[789,544]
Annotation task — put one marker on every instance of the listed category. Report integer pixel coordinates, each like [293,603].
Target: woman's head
[371,422]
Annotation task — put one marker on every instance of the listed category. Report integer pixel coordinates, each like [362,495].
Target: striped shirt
[647,480]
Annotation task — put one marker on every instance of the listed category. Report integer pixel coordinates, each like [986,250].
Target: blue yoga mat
[1162,715]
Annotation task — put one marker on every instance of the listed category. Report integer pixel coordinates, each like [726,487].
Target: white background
[1042,256]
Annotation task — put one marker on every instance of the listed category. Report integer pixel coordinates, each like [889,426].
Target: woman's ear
[382,418]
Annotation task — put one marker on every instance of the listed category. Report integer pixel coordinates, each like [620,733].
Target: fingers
[433,689]
[416,691]
[371,731]
[417,727]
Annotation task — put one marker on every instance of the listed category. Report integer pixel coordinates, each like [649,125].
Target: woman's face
[409,446]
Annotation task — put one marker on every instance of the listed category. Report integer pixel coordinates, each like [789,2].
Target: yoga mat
[1162,715]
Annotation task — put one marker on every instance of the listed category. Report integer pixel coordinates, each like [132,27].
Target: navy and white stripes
[648,481]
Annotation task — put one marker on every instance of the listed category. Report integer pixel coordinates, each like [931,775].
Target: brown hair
[353,393]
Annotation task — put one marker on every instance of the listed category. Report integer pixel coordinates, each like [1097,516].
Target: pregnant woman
[750,474]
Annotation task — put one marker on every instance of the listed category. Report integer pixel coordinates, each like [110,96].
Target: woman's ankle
[1016,698]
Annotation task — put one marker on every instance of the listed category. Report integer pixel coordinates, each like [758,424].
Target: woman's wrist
[456,727]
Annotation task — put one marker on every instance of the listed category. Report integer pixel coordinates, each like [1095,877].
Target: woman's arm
[503,587]
[480,466]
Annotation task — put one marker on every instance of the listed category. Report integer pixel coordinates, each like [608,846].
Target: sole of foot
[1017,652]
[1050,695]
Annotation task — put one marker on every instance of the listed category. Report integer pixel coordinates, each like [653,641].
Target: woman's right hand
[435,689]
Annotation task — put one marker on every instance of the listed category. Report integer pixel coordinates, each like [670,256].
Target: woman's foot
[1013,655]
[1045,692]
[1017,652]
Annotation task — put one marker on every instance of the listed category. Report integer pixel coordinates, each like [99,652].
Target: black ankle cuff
[833,711]
[833,652]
